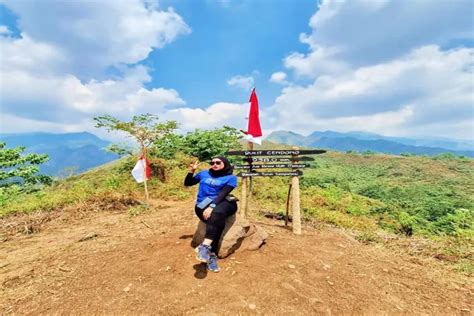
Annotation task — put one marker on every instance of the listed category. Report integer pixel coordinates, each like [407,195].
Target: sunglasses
[212,163]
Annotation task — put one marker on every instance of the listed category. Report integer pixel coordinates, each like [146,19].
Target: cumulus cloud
[434,85]
[55,72]
[94,35]
[360,32]
[376,66]
[216,115]
[242,82]
[65,98]
[278,77]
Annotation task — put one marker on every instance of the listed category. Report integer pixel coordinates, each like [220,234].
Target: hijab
[227,170]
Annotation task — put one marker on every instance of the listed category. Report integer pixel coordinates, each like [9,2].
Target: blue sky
[399,68]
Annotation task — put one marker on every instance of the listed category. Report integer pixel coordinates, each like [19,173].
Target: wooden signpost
[273,152]
[273,157]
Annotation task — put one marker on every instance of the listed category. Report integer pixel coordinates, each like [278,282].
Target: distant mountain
[75,151]
[361,141]
[451,144]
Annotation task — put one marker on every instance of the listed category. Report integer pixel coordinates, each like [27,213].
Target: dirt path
[145,265]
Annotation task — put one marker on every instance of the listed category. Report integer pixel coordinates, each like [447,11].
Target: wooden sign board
[272,166]
[272,159]
[275,152]
[271,174]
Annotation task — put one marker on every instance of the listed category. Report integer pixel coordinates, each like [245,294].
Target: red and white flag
[254,131]
[141,169]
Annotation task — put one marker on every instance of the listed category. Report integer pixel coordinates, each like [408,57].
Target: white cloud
[216,115]
[94,35]
[242,82]
[425,87]
[4,30]
[360,32]
[65,98]
[278,77]
[54,75]
[377,66]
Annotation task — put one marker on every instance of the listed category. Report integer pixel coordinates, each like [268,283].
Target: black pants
[216,222]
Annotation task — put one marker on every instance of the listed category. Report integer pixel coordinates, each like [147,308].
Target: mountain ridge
[71,152]
[361,141]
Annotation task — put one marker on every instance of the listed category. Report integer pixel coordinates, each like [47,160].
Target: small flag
[254,131]
[142,168]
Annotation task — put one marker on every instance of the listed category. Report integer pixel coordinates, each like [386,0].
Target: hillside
[88,245]
[69,153]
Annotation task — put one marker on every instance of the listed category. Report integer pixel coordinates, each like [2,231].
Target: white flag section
[250,138]
[138,171]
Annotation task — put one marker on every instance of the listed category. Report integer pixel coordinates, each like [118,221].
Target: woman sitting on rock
[213,205]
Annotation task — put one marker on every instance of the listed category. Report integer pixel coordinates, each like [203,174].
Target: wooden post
[246,190]
[295,203]
[243,198]
[288,204]
[144,173]
[249,197]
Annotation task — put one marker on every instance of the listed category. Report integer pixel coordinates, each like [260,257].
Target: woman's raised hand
[193,166]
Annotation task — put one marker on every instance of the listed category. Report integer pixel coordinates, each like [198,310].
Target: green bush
[407,223]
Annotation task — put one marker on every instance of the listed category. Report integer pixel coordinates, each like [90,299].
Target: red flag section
[254,130]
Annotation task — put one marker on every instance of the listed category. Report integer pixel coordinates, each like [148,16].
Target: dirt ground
[112,263]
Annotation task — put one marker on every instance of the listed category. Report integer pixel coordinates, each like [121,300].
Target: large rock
[239,234]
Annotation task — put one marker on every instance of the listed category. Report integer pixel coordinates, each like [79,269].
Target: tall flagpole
[250,179]
[247,182]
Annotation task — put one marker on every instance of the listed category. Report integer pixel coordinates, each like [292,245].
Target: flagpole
[247,182]
[250,147]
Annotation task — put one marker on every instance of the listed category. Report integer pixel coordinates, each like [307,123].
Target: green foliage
[19,172]
[205,144]
[167,146]
[202,144]
[407,223]
[445,156]
[415,195]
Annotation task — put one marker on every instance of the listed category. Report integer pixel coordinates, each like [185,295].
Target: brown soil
[112,263]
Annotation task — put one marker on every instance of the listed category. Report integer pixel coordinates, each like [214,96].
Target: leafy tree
[121,150]
[144,128]
[202,144]
[205,144]
[19,172]
[167,146]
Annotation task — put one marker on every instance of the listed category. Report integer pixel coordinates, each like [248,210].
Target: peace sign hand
[193,166]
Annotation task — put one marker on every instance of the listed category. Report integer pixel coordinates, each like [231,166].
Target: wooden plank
[272,166]
[272,159]
[275,152]
[270,174]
